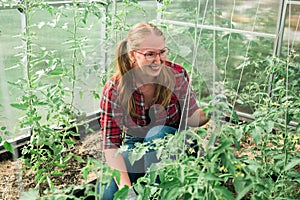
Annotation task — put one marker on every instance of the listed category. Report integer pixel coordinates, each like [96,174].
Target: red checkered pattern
[114,120]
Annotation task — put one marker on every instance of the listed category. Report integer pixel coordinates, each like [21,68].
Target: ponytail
[123,61]
[125,84]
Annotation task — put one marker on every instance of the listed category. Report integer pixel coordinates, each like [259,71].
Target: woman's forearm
[116,161]
[197,119]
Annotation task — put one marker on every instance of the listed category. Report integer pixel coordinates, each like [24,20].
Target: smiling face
[150,56]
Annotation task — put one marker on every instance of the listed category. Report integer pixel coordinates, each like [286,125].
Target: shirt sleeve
[185,94]
[110,118]
[188,95]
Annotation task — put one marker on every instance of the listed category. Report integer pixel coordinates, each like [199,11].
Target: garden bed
[12,182]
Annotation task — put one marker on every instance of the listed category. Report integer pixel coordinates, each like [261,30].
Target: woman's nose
[157,59]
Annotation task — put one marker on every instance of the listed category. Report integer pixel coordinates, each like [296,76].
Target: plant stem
[286,114]
[27,43]
[74,57]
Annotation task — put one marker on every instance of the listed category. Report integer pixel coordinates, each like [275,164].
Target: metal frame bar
[215,28]
[82,1]
[280,27]
[54,3]
[279,36]
[294,2]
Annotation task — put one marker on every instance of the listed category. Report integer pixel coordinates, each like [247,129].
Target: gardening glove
[131,194]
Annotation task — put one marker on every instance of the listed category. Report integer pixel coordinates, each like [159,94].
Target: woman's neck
[144,81]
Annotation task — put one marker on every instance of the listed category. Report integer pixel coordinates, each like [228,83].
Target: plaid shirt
[114,120]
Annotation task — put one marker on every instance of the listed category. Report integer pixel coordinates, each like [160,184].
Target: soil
[12,182]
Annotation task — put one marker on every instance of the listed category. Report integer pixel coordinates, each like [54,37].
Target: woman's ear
[132,56]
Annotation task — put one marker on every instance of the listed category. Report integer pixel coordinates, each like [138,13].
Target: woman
[147,98]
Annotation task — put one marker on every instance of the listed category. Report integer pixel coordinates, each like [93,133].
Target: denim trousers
[137,170]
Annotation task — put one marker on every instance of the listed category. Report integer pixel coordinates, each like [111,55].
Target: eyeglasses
[151,55]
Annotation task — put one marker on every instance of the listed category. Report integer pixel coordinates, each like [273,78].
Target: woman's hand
[197,119]
[116,161]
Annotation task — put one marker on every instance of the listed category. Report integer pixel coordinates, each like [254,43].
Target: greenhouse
[149,99]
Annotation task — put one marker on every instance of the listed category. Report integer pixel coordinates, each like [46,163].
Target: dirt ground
[12,181]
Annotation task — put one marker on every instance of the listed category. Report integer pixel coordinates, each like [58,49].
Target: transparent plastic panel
[125,14]
[292,27]
[76,41]
[291,47]
[226,69]
[10,71]
[252,15]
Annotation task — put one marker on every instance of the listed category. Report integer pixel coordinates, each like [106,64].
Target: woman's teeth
[155,66]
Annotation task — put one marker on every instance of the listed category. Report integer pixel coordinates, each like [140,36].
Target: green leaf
[68,157]
[8,147]
[37,118]
[168,184]
[136,155]
[294,175]
[181,173]
[159,152]
[152,176]
[162,176]
[211,177]
[69,141]
[139,188]
[57,173]
[61,165]
[41,179]
[253,165]
[279,156]
[78,158]
[174,192]
[19,106]
[30,194]
[257,134]
[56,72]
[121,194]
[116,175]
[85,172]
[244,192]
[224,192]
[269,126]
[223,146]
[293,163]
[242,188]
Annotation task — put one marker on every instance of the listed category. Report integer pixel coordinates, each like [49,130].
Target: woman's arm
[110,122]
[197,119]
[116,161]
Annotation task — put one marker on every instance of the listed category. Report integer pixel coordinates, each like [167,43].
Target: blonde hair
[165,79]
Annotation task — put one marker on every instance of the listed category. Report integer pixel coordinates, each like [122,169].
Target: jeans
[137,170]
